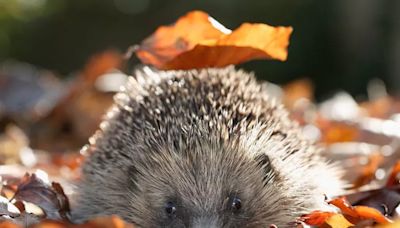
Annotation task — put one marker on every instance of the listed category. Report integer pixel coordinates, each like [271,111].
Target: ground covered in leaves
[44,121]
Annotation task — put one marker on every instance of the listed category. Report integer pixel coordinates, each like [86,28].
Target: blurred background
[339,45]
[53,54]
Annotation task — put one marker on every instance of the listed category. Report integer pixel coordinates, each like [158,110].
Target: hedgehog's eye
[236,204]
[170,209]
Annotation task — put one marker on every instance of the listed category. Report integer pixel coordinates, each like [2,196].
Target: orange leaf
[316,218]
[196,41]
[339,132]
[338,221]
[356,214]
[371,213]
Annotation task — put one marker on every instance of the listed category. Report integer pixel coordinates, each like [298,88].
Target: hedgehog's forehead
[212,174]
[207,155]
[208,166]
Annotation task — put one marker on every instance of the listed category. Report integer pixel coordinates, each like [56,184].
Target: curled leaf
[50,198]
[196,41]
[385,200]
[356,214]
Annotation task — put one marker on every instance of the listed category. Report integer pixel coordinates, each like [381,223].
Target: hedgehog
[201,148]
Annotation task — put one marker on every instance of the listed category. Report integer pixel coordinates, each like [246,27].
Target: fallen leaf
[316,218]
[210,44]
[385,200]
[338,221]
[355,214]
[50,198]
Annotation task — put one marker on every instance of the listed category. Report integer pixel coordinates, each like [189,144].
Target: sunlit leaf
[180,46]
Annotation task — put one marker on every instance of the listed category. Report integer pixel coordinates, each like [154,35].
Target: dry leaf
[338,221]
[355,214]
[316,218]
[49,198]
[384,199]
[210,44]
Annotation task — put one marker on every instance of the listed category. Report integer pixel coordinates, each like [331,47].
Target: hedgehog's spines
[197,137]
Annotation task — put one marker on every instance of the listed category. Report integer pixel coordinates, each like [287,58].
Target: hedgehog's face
[214,188]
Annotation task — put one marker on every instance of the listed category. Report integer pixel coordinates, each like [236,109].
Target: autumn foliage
[197,41]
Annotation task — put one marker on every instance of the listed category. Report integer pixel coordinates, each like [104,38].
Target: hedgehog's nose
[206,222]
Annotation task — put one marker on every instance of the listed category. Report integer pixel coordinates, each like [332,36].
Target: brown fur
[200,139]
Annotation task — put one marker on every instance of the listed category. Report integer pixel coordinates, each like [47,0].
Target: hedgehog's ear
[264,162]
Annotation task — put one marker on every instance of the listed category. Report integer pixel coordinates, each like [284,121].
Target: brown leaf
[210,44]
[51,199]
[385,199]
